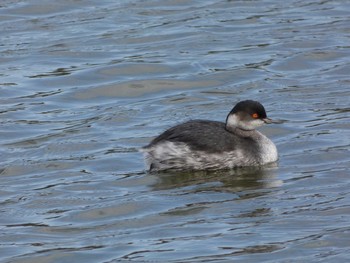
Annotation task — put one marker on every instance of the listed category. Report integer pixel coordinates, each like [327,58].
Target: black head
[251,107]
[247,115]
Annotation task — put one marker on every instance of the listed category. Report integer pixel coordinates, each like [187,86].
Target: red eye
[255,115]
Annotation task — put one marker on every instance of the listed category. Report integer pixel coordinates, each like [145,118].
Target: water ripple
[83,87]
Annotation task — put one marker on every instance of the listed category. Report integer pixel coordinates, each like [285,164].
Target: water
[85,85]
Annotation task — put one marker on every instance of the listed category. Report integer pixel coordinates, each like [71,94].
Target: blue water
[84,85]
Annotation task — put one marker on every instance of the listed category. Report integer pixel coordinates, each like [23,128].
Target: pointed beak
[269,121]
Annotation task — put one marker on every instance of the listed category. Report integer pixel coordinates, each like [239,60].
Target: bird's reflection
[235,180]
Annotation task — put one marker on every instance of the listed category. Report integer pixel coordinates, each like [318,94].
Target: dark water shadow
[233,181]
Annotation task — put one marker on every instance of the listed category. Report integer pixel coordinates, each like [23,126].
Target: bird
[214,145]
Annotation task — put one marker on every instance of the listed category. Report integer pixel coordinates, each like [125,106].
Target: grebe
[210,145]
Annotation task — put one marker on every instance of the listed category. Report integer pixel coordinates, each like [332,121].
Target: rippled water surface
[85,84]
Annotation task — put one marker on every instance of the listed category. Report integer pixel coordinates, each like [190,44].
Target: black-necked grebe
[208,145]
